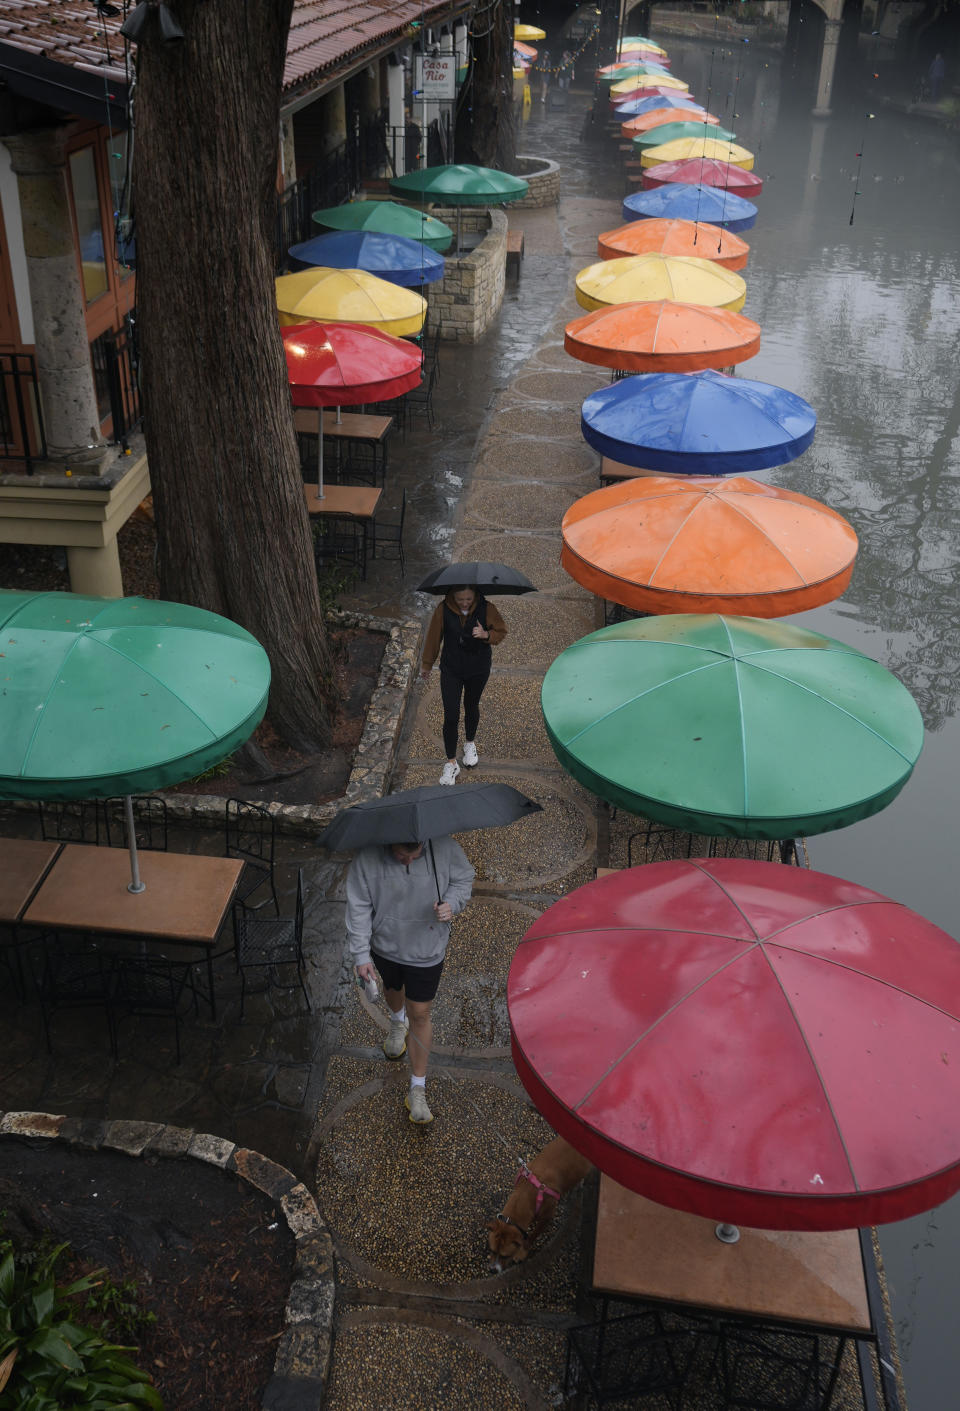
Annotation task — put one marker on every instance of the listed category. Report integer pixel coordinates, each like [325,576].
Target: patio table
[364,428]
[356,503]
[185,900]
[812,1282]
[24,862]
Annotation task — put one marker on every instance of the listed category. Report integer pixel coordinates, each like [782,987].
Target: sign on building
[436,78]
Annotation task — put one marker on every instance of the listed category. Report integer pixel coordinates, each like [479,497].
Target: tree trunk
[487,120]
[234,535]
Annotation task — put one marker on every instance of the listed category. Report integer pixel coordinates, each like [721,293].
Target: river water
[863,320]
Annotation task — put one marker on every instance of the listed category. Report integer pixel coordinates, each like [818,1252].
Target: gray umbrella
[433,811]
[487,578]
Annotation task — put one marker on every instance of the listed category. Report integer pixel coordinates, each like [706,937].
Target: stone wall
[543,182]
[469,295]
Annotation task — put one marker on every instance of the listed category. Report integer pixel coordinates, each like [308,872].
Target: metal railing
[22,436]
[365,152]
[116,374]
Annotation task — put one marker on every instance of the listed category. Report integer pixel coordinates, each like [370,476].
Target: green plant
[115,1306]
[333,581]
[216,771]
[47,1361]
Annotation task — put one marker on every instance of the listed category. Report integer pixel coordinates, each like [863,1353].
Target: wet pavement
[421,1322]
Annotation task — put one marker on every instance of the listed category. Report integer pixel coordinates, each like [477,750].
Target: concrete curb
[302,1365]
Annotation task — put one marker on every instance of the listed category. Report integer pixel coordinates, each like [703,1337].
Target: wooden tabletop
[644,1250]
[352,426]
[23,862]
[353,501]
[186,897]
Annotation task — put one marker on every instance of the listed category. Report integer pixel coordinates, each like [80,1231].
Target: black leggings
[451,688]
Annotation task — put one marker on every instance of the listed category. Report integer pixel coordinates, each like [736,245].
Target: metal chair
[636,1355]
[149,823]
[77,976]
[420,399]
[768,1369]
[251,837]
[388,538]
[339,541]
[152,986]
[264,944]
[70,820]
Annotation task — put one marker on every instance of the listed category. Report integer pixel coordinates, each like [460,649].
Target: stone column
[828,63]
[64,370]
[288,150]
[95,571]
[334,119]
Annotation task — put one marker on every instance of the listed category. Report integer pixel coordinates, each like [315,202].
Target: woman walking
[462,631]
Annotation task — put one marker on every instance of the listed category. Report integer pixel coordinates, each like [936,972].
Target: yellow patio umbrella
[660,80]
[690,148]
[637,41]
[683,278]
[349,296]
[528,32]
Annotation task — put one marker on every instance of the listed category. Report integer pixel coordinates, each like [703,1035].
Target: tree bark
[234,535]
[487,120]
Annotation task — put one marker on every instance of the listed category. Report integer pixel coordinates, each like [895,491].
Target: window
[86,203]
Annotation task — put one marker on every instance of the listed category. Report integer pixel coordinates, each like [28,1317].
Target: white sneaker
[470,756]
[450,771]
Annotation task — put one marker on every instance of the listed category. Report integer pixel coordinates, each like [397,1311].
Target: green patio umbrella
[460,184]
[110,696]
[731,726]
[389,218]
[673,131]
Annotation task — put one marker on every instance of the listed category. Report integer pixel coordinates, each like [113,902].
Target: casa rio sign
[436,78]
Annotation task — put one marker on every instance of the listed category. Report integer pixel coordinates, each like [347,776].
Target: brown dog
[532,1202]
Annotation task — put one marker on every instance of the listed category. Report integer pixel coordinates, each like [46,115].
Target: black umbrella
[487,578]
[433,811]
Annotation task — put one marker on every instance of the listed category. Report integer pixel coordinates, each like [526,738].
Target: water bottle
[370,988]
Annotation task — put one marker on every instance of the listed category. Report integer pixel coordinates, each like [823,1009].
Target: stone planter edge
[543,183]
[302,1363]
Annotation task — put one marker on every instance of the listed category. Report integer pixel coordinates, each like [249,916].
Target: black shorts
[420,982]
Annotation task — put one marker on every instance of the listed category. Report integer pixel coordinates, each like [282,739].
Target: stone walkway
[421,1322]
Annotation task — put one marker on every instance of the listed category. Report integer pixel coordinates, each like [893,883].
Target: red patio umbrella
[746,1041]
[662,335]
[345,364]
[704,171]
[699,544]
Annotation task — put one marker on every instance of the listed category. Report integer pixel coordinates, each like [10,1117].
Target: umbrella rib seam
[659,686]
[667,1014]
[833,706]
[743,724]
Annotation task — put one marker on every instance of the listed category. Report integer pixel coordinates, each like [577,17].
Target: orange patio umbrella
[662,336]
[658,117]
[674,237]
[665,545]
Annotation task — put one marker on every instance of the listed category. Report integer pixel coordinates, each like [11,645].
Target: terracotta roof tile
[323,33]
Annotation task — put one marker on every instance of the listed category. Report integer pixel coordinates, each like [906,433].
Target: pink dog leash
[542,1190]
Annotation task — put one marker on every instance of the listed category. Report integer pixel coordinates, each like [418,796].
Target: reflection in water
[863,320]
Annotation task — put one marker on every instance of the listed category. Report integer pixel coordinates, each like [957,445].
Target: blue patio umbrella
[699,423]
[393,257]
[635,107]
[678,201]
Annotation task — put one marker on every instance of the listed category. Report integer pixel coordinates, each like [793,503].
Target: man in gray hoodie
[400,902]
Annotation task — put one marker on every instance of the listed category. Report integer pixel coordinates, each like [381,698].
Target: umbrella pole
[135,884]
[320,453]
[729,1234]
[339,417]
[433,863]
